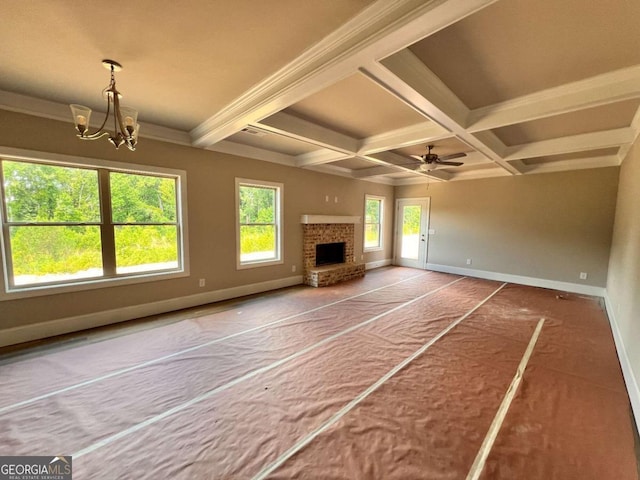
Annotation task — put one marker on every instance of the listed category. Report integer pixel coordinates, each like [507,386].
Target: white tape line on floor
[492,433]
[247,376]
[372,388]
[191,349]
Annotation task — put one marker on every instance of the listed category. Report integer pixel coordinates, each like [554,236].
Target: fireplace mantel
[311,219]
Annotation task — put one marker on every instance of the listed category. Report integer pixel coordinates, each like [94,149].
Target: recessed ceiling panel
[516,47]
[273,142]
[602,152]
[354,163]
[606,117]
[183,61]
[357,107]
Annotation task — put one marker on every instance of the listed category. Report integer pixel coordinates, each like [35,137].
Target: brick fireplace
[326,230]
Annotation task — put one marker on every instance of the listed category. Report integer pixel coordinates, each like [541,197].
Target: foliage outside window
[373,222]
[258,214]
[143,210]
[66,224]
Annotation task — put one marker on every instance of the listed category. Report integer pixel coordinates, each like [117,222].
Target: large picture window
[373,208]
[65,224]
[258,210]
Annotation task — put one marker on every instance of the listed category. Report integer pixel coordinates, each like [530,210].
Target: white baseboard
[630,379]
[378,264]
[520,279]
[26,333]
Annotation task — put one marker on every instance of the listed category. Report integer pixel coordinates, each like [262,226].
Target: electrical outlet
[335,199]
[326,198]
[583,275]
[202,282]
[293,268]
[468,261]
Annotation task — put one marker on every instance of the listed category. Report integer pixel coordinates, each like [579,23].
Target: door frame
[423,249]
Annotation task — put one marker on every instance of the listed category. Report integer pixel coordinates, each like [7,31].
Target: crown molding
[37,107]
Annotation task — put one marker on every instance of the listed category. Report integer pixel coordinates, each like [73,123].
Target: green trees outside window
[258,222]
[55,229]
[144,217]
[373,222]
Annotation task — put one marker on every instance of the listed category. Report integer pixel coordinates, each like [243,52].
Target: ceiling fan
[431,161]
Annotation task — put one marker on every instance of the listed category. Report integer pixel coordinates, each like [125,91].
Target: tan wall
[547,226]
[623,286]
[211,190]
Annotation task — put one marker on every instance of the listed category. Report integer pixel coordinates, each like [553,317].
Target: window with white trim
[373,216]
[67,224]
[259,214]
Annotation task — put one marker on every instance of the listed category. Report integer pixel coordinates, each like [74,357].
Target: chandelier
[125,119]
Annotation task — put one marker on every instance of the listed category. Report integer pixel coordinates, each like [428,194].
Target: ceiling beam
[249,151]
[599,90]
[570,144]
[635,126]
[321,156]
[406,77]
[374,171]
[403,137]
[578,164]
[297,128]
[378,31]
[496,171]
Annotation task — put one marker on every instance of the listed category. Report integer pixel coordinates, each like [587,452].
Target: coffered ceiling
[356,88]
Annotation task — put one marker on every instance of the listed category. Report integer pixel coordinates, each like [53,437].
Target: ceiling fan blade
[453,164]
[452,156]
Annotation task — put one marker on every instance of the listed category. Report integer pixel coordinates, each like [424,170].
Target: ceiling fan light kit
[125,119]
[431,161]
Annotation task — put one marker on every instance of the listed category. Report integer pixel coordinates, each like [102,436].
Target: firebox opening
[329,253]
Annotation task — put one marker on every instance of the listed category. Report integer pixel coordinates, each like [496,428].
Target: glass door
[412,225]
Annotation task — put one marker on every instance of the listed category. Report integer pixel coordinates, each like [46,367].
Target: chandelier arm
[121,133]
[118,115]
[99,132]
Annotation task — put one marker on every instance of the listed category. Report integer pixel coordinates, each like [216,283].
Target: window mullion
[107,234]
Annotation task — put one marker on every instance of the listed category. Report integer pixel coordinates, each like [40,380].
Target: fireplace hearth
[328,249]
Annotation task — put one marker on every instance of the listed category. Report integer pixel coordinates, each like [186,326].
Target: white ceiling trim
[635,127]
[375,171]
[582,164]
[321,156]
[418,181]
[477,174]
[570,144]
[37,107]
[599,90]
[300,129]
[345,172]
[406,77]
[403,137]
[378,31]
[241,150]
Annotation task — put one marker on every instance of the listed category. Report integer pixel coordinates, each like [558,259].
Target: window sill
[92,284]
[265,263]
